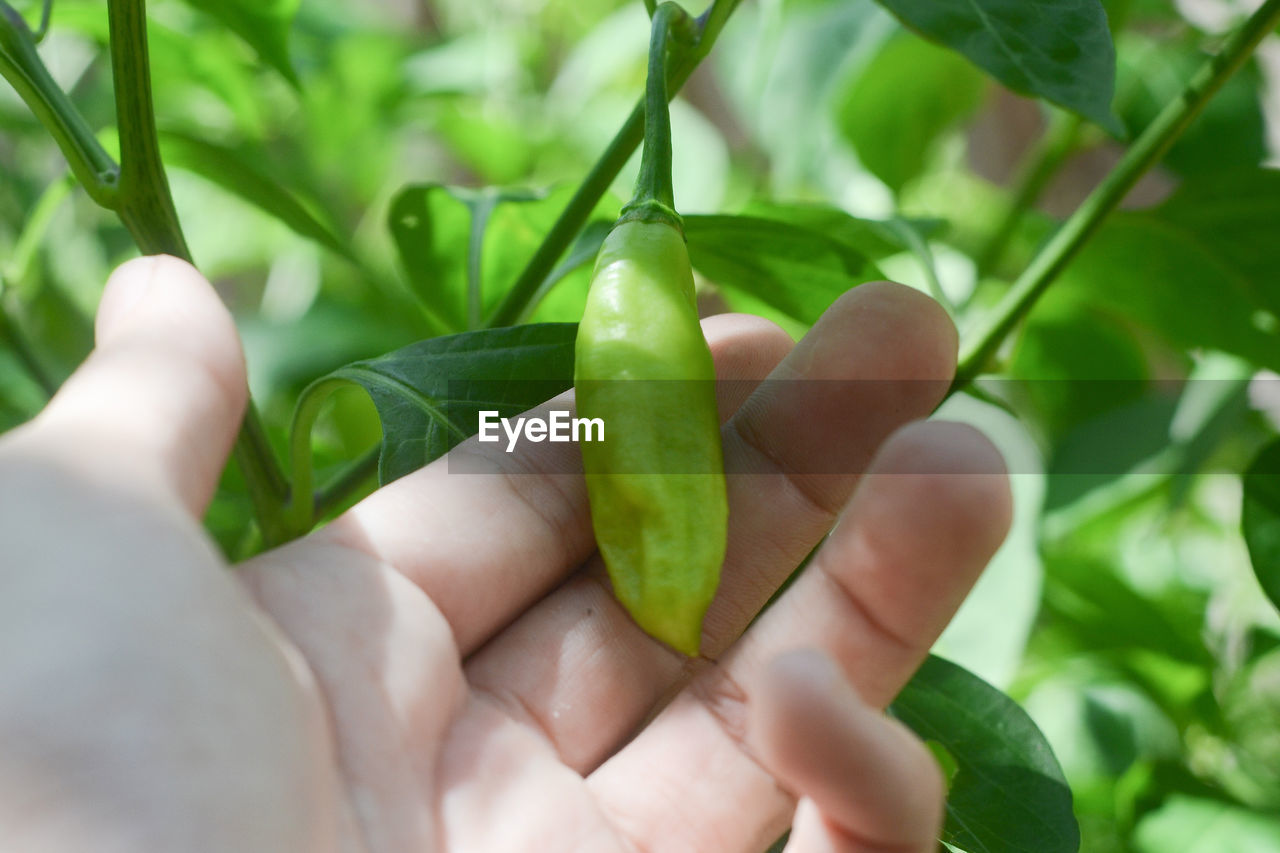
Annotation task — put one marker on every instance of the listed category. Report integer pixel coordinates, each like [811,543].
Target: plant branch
[268,489]
[1141,156]
[145,206]
[21,65]
[136,190]
[515,302]
[924,255]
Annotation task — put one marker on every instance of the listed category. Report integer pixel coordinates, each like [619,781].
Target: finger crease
[860,841]
[544,490]
[865,612]
[518,709]
[751,440]
[555,520]
[727,703]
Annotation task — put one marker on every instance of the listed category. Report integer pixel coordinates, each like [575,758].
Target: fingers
[159,401]
[578,649]
[923,523]
[868,784]
[882,356]
[746,349]
[484,547]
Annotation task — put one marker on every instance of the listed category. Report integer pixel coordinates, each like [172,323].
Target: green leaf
[902,102]
[1191,825]
[497,148]
[179,61]
[1260,519]
[263,24]
[1008,792]
[239,174]
[1059,50]
[1198,269]
[872,237]
[795,271]
[428,394]
[462,249]
[428,227]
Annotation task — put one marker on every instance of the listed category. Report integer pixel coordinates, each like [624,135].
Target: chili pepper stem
[654,199]
[519,300]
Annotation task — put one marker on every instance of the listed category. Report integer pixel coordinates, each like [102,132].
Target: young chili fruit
[656,483]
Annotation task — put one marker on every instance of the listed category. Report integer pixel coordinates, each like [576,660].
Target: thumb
[161,397]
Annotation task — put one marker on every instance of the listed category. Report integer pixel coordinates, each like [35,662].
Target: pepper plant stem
[145,206]
[21,66]
[1145,152]
[137,190]
[615,156]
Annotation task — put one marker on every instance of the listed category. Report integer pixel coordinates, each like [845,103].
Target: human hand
[443,667]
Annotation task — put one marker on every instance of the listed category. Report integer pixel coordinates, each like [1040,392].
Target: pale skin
[443,668]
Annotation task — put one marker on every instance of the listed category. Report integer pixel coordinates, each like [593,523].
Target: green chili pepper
[656,483]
